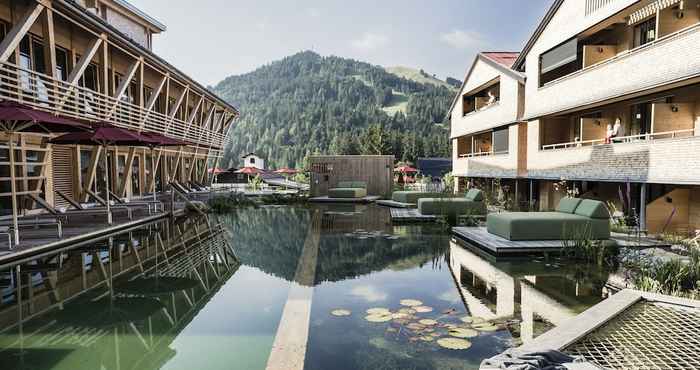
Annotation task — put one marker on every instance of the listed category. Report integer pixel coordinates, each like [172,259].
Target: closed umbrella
[16,117]
[104,134]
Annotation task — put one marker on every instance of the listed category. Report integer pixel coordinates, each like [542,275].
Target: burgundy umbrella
[249,170]
[16,117]
[286,171]
[105,134]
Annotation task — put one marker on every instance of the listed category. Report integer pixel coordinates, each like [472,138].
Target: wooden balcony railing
[622,139]
[43,92]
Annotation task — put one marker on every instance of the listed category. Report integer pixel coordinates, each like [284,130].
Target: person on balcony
[492,98]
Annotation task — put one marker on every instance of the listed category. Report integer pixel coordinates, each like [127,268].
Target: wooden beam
[128,167]
[126,81]
[104,62]
[92,171]
[152,179]
[84,61]
[174,108]
[49,44]
[150,104]
[11,41]
[177,165]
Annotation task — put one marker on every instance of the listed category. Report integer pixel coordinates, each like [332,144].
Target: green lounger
[571,214]
[472,204]
[412,197]
[349,190]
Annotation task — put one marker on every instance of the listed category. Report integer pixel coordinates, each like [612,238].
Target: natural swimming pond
[332,287]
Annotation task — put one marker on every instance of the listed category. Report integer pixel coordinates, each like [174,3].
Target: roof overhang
[150,20]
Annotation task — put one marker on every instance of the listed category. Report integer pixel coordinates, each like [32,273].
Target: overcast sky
[212,39]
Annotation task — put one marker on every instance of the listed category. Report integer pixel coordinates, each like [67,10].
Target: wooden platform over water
[497,245]
[326,199]
[399,215]
[395,204]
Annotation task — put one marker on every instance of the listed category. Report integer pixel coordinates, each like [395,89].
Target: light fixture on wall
[674,108]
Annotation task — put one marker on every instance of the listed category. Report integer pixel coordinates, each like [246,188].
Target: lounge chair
[472,204]
[571,214]
[35,222]
[349,189]
[411,197]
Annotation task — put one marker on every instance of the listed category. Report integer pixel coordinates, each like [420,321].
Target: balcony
[45,93]
[618,74]
[488,154]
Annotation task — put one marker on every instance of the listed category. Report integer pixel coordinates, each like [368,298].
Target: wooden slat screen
[62,160]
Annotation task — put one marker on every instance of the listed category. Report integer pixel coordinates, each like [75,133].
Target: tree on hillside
[374,141]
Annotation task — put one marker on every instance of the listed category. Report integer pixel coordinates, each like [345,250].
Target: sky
[212,39]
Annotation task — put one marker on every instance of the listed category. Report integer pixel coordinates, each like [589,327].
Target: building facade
[252,160]
[612,106]
[91,60]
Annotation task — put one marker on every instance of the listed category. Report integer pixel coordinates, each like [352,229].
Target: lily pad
[378,311]
[410,302]
[486,327]
[428,322]
[399,315]
[340,312]
[401,321]
[423,309]
[426,338]
[454,343]
[407,310]
[378,318]
[415,326]
[463,333]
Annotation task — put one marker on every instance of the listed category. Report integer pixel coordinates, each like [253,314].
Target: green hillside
[307,103]
[419,76]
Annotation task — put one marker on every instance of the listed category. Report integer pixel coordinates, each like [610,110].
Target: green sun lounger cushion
[592,209]
[413,196]
[475,195]
[560,225]
[347,193]
[450,207]
[352,184]
[568,205]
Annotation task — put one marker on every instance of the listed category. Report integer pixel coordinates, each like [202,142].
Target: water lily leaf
[463,333]
[340,312]
[400,315]
[423,309]
[454,343]
[415,326]
[378,318]
[407,310]
[426,338]
[466,319]
[428,322]
[410,302]
[401,321]
[378,311]
[449,311]
[486,327]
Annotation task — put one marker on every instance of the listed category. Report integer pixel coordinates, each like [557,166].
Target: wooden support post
[123,86]
[150,104]
[92,171]
[49,44]
[127,172]
[154,163]
[104,64]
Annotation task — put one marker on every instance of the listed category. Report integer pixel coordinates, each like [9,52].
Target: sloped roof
[505,58]
[501,60]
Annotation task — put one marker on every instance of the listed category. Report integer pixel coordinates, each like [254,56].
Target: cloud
[370,41]
[460,39]
[369,293]
[314,12]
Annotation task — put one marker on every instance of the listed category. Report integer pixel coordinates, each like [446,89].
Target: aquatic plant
[673,276]
[223,204]
[578,244]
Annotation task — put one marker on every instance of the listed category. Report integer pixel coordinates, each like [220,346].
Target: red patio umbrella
[405,169]
[249,171]
[287,171]
[216,170]
[16,117]
[105,134]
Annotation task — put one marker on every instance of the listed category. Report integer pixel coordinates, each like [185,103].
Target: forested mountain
[307,103]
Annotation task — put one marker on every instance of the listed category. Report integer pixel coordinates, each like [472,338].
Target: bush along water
[674,276]
[578,244]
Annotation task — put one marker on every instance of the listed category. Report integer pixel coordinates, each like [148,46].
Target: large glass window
[645,32]
[560,61]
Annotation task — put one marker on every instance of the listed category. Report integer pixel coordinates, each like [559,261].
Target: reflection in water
[80,309]
[538,294]
[210,293]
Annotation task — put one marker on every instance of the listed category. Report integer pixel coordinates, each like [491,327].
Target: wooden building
[92,60]
[375,170]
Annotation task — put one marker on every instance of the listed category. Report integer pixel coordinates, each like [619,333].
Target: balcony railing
[622,139]
[56,96]
[482,154]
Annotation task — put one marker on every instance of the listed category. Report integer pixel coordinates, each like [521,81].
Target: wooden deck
[395,204]
[497,245]
[399,215]
[326,199]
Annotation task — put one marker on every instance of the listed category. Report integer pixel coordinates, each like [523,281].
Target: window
[483,98]
[252,160]
[500,140]
[61,63]
[560,61]
[645,32]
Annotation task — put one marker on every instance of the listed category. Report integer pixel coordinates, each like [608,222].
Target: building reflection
[116,303]
[539,295]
